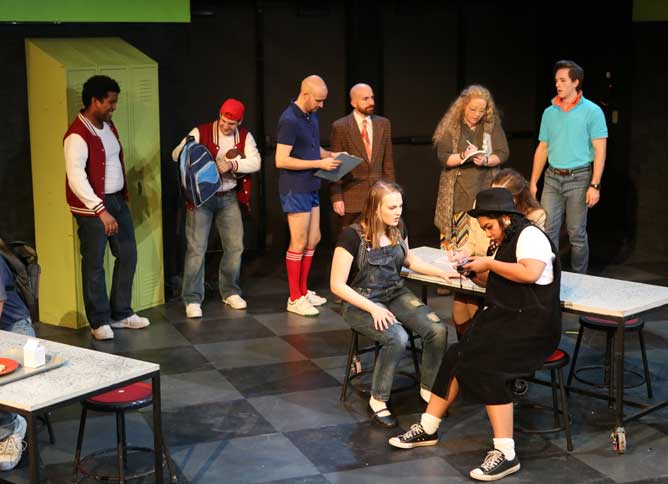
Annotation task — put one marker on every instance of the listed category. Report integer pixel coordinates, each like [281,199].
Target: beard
[369,110]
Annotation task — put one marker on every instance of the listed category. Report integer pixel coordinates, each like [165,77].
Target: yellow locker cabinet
[56,71]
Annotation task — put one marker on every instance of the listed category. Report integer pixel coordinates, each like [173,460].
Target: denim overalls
[379,279]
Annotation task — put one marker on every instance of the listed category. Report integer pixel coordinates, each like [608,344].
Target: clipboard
[348,162]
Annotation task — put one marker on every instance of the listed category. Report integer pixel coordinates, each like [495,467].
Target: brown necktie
[365,138]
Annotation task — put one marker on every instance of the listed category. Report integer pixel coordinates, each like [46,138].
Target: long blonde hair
[452,119]
[372,224]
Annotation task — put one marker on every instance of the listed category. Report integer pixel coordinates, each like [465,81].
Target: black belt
[560,172]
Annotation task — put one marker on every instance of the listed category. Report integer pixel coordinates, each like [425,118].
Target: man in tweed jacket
[369,137]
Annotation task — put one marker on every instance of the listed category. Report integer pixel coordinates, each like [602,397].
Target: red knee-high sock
[293,263]
[307,259]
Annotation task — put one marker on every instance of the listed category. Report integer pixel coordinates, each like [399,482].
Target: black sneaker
[495,466]
[415,437]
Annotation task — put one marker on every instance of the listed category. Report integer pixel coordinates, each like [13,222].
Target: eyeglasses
[476,111]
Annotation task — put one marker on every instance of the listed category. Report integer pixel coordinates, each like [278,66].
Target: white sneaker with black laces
[495,466]
[415,437]
[314,299]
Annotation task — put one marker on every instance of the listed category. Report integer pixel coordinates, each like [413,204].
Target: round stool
[562,419]
[131,397]
[610,329]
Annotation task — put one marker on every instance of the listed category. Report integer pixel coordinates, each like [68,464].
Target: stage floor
[253,396]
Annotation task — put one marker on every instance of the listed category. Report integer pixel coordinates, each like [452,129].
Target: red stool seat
[557,355]
[126,394]
[555,363]
[118,401]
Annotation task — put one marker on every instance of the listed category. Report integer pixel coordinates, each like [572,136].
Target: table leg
[425,293]
[33,449]
[619,375]
[157,429]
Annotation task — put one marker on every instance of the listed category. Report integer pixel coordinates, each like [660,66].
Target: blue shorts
[292,202]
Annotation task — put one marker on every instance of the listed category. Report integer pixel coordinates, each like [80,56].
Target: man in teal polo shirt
[573,138]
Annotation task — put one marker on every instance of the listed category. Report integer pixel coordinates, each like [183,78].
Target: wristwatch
[596,186]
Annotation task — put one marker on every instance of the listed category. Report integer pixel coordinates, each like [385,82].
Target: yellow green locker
[56,71]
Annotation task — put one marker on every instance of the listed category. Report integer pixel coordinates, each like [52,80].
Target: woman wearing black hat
[517,329]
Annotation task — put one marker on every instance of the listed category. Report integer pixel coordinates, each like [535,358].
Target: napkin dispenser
[34,354]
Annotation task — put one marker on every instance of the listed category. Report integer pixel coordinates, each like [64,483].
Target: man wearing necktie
[369,137]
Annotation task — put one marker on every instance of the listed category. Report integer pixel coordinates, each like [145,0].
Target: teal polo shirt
[569,134]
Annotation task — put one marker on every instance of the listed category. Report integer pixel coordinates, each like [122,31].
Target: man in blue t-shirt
[298,156]
[573,137]
[14,317]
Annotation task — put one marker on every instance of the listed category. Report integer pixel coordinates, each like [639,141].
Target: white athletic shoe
[314,299]
[131,322]
[302,307]
[102,333]
[12,447]
[235,302]
[193,310]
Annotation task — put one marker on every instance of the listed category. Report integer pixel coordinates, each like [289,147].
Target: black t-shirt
[350,241]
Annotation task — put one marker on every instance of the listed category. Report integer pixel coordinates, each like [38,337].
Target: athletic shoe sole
[403,445]
[294,311]
[495,477]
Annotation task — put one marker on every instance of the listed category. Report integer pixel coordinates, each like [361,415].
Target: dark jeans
[101,309]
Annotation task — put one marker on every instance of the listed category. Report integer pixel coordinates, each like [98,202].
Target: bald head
[313,83]
[312,94]
[362,99]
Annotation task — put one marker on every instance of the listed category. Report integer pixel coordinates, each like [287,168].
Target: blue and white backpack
[199,175]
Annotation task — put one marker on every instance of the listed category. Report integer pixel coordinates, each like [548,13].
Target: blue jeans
[225,211]
[100,308]
[414,315]
[22,326]
[568,194]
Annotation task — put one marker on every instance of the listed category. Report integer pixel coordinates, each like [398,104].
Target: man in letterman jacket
[236,155]
[96,190]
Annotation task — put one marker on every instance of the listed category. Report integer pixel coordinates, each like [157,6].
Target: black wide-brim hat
[493,200]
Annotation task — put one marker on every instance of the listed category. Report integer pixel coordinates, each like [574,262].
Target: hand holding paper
[346,164]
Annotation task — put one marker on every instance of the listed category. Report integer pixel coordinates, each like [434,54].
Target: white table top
[84,371]
[579,292]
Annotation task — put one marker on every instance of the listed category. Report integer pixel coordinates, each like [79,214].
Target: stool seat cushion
[556,356]
[130,393]
[608,322]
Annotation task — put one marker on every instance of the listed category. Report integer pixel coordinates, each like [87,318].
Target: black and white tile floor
[253,396]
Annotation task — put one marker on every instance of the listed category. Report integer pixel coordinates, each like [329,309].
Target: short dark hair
[97,87]
[575,72]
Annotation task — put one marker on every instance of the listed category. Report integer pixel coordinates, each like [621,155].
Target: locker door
[146,202]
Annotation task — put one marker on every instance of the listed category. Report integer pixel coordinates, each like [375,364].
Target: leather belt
[560,172]
[222,194]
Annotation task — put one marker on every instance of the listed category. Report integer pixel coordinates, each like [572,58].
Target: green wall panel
[95,11]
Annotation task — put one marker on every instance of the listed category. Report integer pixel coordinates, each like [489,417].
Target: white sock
[425,394]
[507,446]
[377,406]
[429,423]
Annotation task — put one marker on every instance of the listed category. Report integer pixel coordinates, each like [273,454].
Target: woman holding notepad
[470,144]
